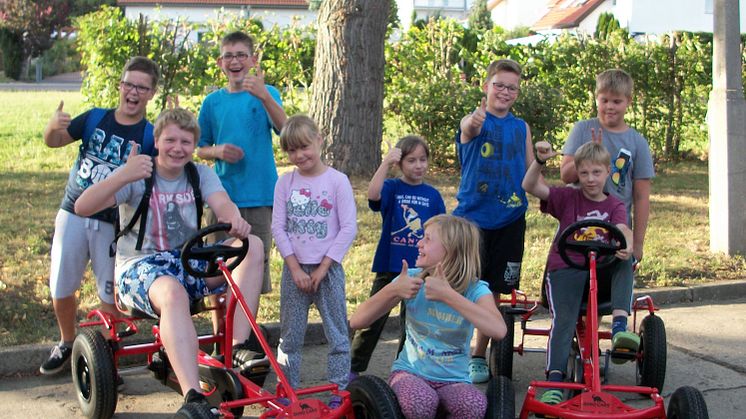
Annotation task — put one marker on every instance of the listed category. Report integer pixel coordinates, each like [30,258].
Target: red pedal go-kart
[589,396]
[95,359]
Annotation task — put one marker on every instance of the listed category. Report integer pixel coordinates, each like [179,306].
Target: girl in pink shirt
[313,224]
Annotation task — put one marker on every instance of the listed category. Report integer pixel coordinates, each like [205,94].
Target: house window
[708,7]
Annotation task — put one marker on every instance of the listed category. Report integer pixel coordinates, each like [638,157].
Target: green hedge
[433,75]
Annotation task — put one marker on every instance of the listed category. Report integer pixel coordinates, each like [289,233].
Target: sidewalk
[25,359]
[60,82]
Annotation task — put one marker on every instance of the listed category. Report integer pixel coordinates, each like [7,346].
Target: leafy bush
[61,58]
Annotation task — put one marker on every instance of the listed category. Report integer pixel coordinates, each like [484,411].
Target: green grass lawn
[33,179]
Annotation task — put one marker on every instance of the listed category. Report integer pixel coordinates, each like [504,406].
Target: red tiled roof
[568,17]
[269,3]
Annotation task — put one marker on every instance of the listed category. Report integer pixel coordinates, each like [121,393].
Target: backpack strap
[147,140]
[193,178]
[141,213]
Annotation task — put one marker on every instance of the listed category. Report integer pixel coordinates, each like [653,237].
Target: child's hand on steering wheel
[239,227]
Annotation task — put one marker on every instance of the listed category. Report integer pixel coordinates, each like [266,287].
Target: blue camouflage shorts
[134,283]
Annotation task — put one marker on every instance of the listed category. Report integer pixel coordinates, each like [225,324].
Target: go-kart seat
[196,307]
[604,293]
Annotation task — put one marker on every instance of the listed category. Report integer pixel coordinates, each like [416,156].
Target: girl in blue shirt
[444,300]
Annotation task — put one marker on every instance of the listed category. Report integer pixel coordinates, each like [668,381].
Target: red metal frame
[594,399]
[297,408]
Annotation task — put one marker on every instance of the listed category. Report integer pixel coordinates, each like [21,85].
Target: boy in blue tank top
[494,149]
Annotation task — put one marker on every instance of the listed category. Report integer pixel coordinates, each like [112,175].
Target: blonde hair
[460,239]
[504,64]
[299,131]
[615,81]
[594,153]
[180,117]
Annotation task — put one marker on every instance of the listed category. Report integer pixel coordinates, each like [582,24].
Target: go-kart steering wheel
[195,249]
[585,236]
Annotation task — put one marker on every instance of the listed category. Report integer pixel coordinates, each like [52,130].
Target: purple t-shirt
[569,205]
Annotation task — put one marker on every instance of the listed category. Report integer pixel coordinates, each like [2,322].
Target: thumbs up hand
[254,81]
[60,119]
[407,286]
[138,166]
[437,287]
[476,120]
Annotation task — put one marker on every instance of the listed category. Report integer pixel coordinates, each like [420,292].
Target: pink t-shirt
[568,205]
[314,217]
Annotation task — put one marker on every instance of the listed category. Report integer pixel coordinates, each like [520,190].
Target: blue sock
[555,376]
[619,324]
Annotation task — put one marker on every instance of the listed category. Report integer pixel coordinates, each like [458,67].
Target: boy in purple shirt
[565,285]
[314,224]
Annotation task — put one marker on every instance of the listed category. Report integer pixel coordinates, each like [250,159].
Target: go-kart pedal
[624,346]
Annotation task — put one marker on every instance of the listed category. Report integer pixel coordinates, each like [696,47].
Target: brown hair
[504,64]
[460,239]
[239,37]
[143,65]
[180,117]
[409,143]
[615,81]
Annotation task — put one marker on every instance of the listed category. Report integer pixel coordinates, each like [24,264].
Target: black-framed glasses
[502,86]
[240,56]
[141,90]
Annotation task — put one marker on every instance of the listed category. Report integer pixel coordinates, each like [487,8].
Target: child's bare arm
[376,182]
[388,297]
[625,253]
[101,195]
[55,133]
[568,174]
[226,152]
[533,182]
[471,125]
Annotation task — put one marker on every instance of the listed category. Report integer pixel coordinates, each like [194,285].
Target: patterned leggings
[419,398]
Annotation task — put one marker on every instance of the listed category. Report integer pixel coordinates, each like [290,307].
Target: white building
[271,12]
[638,16]
[456,9]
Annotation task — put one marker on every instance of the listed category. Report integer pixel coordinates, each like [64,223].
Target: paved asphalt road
[705,350]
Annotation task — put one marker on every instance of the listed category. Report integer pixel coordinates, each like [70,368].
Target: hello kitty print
[307,215]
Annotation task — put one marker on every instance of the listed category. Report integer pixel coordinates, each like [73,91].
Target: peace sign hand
[597,136]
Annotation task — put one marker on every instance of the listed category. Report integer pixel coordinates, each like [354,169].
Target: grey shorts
[76,241]
[260,219]
[134,283]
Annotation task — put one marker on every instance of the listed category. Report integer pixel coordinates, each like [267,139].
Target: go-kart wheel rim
[84,378]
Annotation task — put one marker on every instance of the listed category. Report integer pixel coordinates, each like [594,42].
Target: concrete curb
[25,359]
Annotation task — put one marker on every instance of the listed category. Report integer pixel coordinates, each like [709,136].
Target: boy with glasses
[106,140]
[494,149]
[236,125]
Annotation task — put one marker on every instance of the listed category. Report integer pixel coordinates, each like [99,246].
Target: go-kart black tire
[501,351]
[500,398]
[94,375]
[651,365]
[195,411]
[574,369]
[687,403]
[373,398]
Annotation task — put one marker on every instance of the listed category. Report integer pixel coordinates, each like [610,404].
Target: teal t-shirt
[438,337]
[240,119]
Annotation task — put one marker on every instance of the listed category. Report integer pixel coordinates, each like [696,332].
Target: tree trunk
[347,100]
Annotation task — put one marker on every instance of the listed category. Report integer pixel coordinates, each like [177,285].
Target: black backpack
[141,212]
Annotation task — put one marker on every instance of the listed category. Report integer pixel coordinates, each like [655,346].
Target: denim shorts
[134,283]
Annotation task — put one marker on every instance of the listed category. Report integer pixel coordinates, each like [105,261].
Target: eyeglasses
[500,87]
[241,57]
[141,90]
